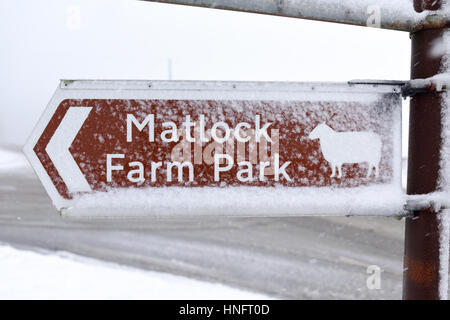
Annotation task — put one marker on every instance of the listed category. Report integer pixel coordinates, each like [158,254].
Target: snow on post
[443,48]
[386,14]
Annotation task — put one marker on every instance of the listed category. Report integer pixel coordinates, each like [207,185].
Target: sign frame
[202,90]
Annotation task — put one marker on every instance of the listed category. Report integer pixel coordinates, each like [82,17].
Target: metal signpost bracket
[411,88]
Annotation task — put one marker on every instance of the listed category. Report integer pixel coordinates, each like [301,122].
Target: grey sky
[44,41]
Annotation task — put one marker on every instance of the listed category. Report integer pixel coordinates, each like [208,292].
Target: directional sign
[140,147]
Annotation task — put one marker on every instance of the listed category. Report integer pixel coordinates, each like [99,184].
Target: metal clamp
[407,88]
[413,87]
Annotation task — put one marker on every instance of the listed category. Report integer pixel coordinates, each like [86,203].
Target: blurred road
[295,258]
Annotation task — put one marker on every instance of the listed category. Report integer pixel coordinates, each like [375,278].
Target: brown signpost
[422,257]
[315,140]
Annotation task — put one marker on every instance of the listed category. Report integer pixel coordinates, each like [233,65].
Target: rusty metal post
[421,260]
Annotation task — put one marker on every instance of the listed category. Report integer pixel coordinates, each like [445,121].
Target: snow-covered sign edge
[121,89]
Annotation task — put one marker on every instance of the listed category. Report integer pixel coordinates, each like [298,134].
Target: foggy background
[43,41]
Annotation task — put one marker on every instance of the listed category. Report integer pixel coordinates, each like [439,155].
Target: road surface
[293,258]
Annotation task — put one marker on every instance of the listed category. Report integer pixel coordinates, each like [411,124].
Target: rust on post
[421,259]
[423,5]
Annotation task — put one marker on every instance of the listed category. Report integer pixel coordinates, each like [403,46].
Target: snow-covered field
[10,160]
[31,275]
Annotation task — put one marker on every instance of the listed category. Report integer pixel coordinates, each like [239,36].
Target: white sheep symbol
[348,147]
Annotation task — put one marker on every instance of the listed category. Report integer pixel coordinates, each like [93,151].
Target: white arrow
[58,149]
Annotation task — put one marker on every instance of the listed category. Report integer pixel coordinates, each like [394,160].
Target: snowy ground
[10,160]
[32,275]
[62,275]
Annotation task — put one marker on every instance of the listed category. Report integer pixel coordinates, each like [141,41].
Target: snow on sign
[220,148]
